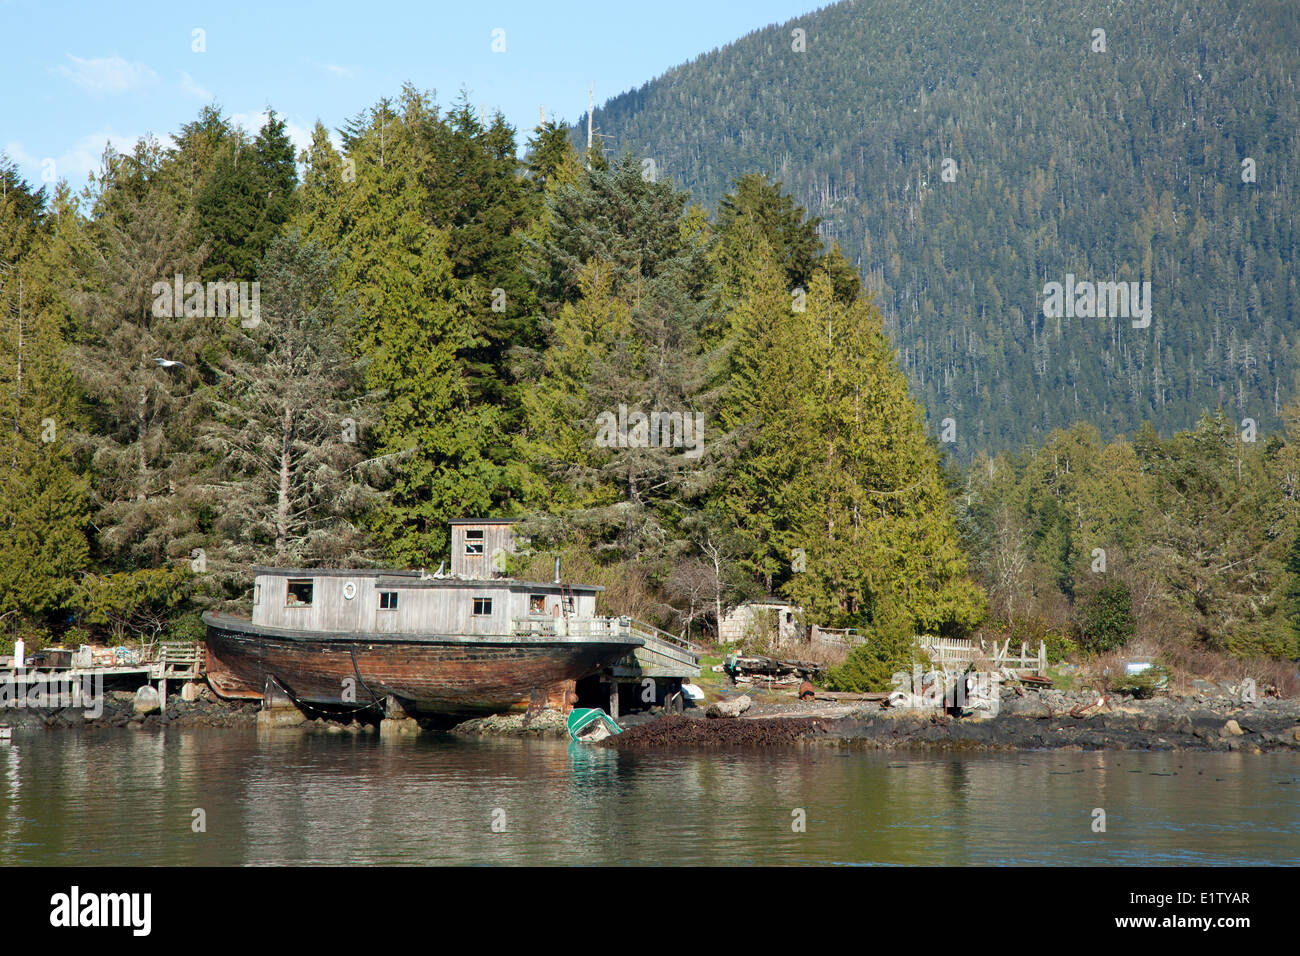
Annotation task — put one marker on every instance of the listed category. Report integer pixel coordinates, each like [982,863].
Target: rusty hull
[442,674]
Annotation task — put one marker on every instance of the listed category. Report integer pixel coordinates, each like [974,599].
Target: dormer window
[474,541]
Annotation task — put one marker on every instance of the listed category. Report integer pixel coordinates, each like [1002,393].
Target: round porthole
[350,590]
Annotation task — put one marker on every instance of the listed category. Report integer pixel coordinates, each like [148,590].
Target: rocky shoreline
[118,710]
[1036,720]
[1028,720]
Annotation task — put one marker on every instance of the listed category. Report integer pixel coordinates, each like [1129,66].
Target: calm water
[127,797]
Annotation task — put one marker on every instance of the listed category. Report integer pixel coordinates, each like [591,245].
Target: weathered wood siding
[496,537]
[424,606]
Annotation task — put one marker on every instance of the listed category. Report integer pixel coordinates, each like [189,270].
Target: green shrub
[760,634]
[1059,646]
[189,627]
[33,636]
[889,647]
[1104,617]
[76,636]
[145,601]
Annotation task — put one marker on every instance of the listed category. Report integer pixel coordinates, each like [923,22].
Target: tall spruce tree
[874,527]
[415,330]
[142,412]
[767,412]
[291,426]
[44,501]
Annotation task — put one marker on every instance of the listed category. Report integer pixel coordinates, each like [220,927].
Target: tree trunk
[282,496]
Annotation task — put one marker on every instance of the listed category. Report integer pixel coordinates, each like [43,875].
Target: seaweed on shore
[675,730]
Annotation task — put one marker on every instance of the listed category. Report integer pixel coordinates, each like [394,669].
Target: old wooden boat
[464,642]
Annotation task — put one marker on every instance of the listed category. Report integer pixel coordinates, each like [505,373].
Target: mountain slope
[1122,164]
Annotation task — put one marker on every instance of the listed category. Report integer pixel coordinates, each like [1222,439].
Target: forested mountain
[1118,155]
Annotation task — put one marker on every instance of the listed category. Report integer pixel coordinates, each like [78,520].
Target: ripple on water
[123,797]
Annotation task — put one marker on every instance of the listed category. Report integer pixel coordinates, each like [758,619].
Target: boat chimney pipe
[557,569]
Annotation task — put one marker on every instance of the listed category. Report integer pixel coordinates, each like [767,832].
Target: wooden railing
[593,627]
[840,636]
[1025,660]
[536,624]
[181,658]
[946,653]
[650,629]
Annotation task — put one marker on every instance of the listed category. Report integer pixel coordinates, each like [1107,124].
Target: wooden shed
[479,546]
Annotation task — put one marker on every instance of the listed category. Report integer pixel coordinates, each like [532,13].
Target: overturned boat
[467,642]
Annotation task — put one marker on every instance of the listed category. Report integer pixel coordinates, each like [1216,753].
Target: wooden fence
[955,654]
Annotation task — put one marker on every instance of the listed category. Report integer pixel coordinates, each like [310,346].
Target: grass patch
[1062,679]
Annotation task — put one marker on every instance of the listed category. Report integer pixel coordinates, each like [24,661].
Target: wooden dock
[172,660]
[663,657]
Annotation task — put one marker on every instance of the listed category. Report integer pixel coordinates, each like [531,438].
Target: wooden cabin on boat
[479,546]
[411,602]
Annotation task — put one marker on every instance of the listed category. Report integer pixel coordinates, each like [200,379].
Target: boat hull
[444,674]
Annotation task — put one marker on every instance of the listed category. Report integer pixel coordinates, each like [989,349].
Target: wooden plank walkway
[174,660]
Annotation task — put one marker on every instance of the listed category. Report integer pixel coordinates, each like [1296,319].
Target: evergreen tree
[759,205]
[44,501]
[291,424]
[142,412]
[878,527]
[415,330]
[768,414]
[246,198]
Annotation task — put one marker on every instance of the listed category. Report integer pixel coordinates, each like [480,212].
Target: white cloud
[75,163]
[192,88]
[346,72]
[107,75]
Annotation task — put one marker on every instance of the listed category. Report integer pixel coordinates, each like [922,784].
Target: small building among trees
[770,619]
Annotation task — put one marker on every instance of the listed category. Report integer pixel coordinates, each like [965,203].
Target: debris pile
[769,671]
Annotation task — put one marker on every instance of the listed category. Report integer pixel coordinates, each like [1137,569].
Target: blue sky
[74,76]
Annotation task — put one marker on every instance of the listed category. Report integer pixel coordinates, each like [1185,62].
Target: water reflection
[282,798]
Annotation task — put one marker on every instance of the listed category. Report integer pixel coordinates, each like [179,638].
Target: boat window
[257,594]
[482,606]
[388,600]
[299,593]
[537,604]
[474,541]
